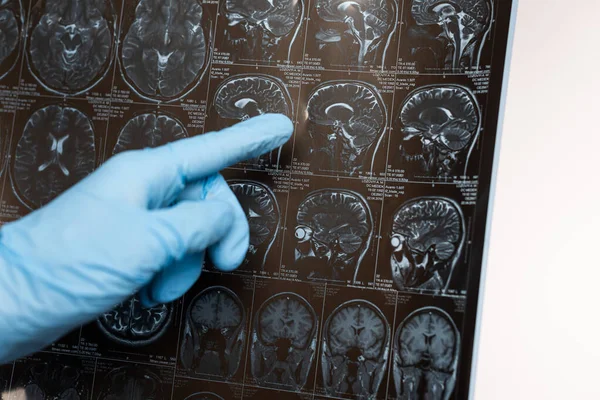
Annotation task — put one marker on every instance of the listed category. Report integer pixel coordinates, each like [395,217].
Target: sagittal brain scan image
[71,45]
[356,32]
[426,352]
[356,340]
[449,35]
[204,396]
[439,127]
[248,95]
[149,130]
[10,32]
[284,342]
[132,324]
[51,381]
[262,30]
[56,150]
[132,383]
[346,123]
[262,211]
[214,334]
[427,238]
[165,51]
[333,232]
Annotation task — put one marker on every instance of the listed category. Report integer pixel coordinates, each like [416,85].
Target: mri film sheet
[363,272]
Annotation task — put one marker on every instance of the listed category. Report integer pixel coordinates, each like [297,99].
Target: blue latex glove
[141,222]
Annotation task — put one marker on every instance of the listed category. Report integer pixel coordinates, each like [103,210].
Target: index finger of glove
[156,176]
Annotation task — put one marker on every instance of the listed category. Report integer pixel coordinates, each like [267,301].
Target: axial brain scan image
[71,45]
[165,49]
[204,396]
[51,380]
[426,350]
[10,30]
[132,383]
[149,130]
[57,150]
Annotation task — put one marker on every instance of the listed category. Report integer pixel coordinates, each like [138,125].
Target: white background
[540,332]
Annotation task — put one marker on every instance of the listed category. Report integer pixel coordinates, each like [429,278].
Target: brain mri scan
[346,123]
[149,130]
[51,380]
[245,96]
[204,396]
[165,51]
[356,340]
[262,211]
[333,233]
[132,383]
[71,44]
[439,127]
[263,29]
[426,352]
[214,334]
[427,238]
[57,150]
[356,32]
[11,24]
[284,342]
[132,324]
[449,34]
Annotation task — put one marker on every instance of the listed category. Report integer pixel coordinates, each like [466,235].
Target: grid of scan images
[362,276]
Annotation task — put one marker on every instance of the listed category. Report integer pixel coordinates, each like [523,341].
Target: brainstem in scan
[71,43]
[55,151]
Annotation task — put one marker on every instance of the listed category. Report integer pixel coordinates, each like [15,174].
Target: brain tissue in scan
[10,31]
[71,45]
[51,380]
[426,352]
[57,150]
[165,49]
[132,383]
[149,130]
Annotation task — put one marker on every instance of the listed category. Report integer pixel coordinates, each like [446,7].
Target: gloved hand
[141,222]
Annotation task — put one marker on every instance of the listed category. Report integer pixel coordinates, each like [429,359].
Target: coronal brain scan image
[245,96]
[346,123]
[262,211]
[204,396]
[10,29]
[426,352]
[284,342]
[149,130]
[51,380]
[449,34]
[356,340]
[56,150]
[71,46]
[427,238]
[165,51]
[214,334]
[333,232]
[356,32]
[132,383]
[132,324]
[260,29]
[439,127]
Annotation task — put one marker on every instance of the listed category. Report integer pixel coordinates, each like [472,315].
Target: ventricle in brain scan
[214,334]
[71,44]
[51,380]
[427,238]
[164,53]
[356,32]
[57,150]
[333,233]
[249,95]
[450,33]
[132,324]
[10,30]
[347,120]
[262,211]
[439,126]
[132,383]
[284,341]
[204,396]
[257,29]
[426,352]
[356,340]
[149,130]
